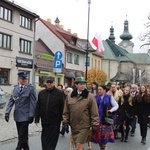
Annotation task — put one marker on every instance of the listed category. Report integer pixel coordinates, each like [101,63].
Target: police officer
[24,98]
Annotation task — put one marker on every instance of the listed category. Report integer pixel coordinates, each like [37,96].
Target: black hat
[50,79]
[23,75]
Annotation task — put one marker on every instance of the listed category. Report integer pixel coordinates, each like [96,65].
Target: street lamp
[87,42]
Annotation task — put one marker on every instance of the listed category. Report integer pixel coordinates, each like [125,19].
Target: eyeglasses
[49,81]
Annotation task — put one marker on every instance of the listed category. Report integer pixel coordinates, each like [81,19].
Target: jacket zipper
[47,107]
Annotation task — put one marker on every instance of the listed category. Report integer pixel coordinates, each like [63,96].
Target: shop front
[44,68]
[25,64]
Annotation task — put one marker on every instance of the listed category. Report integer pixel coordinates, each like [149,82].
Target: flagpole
[87,44]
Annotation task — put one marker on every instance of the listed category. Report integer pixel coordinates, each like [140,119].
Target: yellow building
[96,61]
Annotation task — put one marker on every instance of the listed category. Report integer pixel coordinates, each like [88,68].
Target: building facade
[16,43]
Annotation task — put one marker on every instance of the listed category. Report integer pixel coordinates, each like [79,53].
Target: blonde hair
[129,99]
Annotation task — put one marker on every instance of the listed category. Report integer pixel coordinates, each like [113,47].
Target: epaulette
[14,86]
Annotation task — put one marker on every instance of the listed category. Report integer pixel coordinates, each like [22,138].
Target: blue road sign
[58,55]
[58,64]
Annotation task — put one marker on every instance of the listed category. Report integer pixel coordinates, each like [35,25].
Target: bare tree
[145,36]
[145,77]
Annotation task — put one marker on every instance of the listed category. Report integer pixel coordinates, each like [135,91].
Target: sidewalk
[8,131]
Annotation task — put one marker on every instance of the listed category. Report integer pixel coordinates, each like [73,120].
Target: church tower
[126,37]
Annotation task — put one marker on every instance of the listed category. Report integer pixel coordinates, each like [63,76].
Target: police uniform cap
[80,80]
[23,75]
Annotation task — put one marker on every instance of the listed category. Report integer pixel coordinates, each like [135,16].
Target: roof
[115,52]
[139,58]
[120,77]
[40,49]
[66,37]
[21,8]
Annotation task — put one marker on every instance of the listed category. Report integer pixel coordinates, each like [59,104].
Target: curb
[15,138]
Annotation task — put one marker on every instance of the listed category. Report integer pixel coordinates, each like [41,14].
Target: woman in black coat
[142,111]
[125,113]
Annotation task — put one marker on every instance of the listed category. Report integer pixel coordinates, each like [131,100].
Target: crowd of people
[99,115]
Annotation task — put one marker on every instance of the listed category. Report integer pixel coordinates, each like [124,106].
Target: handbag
[109,121]
[108,118]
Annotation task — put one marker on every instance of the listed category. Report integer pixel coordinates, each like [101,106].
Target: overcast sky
[73,14]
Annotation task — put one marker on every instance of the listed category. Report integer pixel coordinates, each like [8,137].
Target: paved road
[8,131]
[63,144]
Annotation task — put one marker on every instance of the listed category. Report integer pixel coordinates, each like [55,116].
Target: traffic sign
[58,55]
[58,64]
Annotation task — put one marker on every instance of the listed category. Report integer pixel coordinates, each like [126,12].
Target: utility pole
[87,44]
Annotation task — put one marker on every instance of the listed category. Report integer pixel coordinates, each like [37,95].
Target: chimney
[61,26]
[69,30]
[75,34]
[49,20]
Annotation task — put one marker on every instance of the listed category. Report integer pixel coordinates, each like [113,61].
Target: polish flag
[98,44]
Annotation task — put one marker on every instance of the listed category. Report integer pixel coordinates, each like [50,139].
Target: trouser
[143,130]
[126,130]
[22,128]
[49,136]
[133,125]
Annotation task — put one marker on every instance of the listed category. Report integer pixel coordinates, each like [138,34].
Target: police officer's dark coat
[25,103]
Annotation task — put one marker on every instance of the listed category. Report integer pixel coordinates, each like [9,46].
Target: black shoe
[126,140]
[122,138]
[144,141]
[132,134]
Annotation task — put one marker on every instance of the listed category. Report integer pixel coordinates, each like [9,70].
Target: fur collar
[84,93]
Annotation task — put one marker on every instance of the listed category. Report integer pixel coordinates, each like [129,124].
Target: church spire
[126,35]
[111,36]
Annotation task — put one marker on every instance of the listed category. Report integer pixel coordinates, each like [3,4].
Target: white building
[16,43]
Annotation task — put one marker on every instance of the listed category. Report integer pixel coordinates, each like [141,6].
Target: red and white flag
[98,43]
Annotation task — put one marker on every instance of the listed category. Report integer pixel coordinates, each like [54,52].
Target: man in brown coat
[81,113]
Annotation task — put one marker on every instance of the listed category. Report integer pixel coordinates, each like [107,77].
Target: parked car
[2,99]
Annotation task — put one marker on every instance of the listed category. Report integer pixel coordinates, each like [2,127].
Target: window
[76,59]
[88,61]
[42,80]
[69,57]
[5,14]
[95,64]
[5,41]
[25,22]
[4,76]
[25,46]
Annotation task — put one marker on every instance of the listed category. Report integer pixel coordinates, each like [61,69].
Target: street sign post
[58,55]
[58,62]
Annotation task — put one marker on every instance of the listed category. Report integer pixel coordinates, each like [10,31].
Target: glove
[94,129]
[30,120]
[66,128]
[7,117]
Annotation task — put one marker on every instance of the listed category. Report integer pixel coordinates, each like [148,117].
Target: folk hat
[80,80]
[23,75]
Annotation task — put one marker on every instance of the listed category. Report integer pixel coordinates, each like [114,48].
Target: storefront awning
[78,74]
[70,74]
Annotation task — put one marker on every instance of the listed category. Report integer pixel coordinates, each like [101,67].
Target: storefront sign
[24,62]
[44,56]
[47,57]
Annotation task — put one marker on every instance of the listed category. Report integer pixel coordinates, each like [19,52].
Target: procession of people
[103,114]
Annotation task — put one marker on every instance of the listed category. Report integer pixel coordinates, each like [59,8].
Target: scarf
[103,104]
